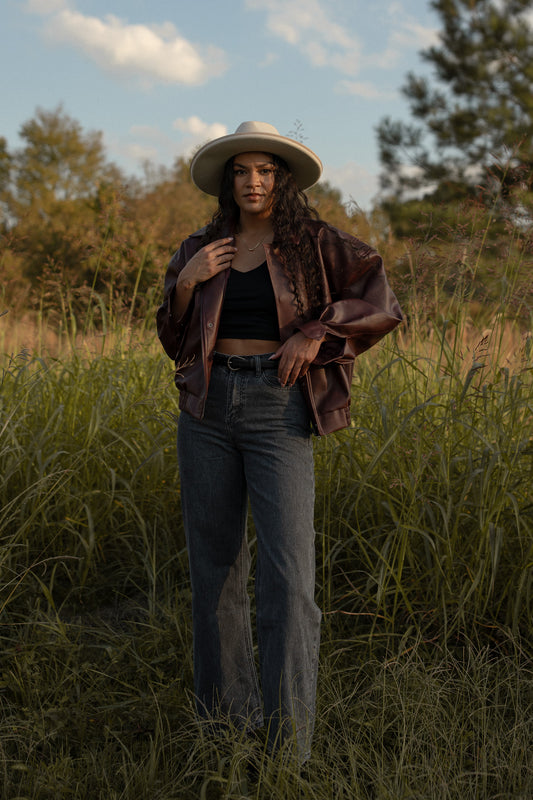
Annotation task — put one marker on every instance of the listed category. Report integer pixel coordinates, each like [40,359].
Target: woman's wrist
[313,329]
[185,288]
[185,283]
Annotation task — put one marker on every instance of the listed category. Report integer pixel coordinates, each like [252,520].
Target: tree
[169,202]
[5,173]
[58,163]
[75,226]
[49,190]
[473,130]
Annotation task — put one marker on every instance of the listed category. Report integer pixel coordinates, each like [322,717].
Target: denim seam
[246,624]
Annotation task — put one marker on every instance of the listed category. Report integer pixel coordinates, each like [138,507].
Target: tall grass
[86,464]
[433,483]
[425,551]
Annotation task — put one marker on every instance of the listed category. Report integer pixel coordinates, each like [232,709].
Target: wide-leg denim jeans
[253,443]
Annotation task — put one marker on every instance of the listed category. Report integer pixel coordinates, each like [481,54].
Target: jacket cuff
[313,329]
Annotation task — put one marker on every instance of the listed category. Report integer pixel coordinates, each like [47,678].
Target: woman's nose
[253,178]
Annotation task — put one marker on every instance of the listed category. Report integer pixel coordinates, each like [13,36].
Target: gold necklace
[251,249]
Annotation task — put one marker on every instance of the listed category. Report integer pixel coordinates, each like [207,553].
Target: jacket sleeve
[363,307]
[169,328]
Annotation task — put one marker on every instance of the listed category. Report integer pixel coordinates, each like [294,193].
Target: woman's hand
[208,261]
[295,356]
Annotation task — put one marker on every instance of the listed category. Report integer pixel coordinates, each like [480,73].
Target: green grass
[425,553]
[98,706]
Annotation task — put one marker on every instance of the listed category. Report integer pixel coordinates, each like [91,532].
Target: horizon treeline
[70,218]
[77,234]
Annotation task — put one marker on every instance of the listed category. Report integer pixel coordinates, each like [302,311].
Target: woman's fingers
[211,259]
[295,357]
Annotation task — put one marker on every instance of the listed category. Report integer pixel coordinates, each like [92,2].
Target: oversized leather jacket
[359,309]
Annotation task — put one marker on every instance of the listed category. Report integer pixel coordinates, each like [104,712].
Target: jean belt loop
[257,360]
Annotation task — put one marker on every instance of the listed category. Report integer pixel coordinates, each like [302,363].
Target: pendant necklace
[251,249]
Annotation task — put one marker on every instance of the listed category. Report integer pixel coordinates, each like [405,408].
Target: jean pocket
[271,380]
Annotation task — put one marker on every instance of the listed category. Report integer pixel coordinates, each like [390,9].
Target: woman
[264,312]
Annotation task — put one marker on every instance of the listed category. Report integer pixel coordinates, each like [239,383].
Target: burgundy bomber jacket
[360,308]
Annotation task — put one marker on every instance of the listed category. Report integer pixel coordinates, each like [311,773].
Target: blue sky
[159,77]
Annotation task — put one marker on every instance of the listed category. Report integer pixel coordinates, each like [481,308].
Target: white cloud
[139,153]
[364,89]
[309,26]
[44,6]
[197,127]
[146,131]
[407,35]
[355,182]
[196,133]
[413,36]
[306,25]
[142,143]
[150,143]
[269,59]
[151,53]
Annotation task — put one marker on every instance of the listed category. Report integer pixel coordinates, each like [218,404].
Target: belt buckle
[228,363]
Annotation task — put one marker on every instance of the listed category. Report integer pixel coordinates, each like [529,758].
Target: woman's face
[253,183]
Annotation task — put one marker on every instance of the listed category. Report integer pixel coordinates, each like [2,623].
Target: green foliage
[460,253]
[433,480]
[57,163]
[473,123]
[97,706]
[435,492]
[172,204]
[425,554]
[424,525]
[5,170]
[73,220]
[83,463]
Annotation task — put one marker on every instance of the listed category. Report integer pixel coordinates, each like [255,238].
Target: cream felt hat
[207,166]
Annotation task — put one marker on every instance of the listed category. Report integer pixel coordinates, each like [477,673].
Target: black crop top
[249,310]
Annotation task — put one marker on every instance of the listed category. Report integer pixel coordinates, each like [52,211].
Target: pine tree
[472,134]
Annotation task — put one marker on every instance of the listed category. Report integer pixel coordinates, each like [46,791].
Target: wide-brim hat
[207,166]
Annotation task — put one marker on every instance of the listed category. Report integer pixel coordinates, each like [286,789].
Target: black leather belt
[244,362]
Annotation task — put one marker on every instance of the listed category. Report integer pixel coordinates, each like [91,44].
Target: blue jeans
[253,443]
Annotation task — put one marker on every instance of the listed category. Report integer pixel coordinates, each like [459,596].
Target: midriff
[245,347]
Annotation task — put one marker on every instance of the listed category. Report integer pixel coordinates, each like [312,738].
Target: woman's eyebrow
[260,164]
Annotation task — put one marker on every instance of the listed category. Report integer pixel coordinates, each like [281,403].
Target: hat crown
[257,127]
[207,166]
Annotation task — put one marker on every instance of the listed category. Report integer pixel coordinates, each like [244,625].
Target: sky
[160,77]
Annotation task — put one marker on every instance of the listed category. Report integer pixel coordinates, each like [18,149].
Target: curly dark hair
[291,212]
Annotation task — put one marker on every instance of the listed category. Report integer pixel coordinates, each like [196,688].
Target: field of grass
[424,521]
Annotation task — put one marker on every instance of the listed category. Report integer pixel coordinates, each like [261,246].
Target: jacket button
[209,324]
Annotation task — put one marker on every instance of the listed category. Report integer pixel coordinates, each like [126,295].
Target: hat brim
[207,166]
